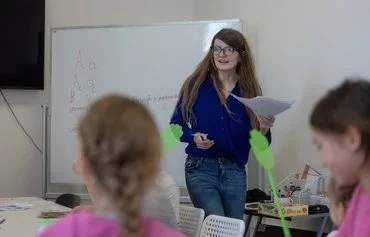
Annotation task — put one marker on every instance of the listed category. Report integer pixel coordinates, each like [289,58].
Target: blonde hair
[122,145]
[248,82]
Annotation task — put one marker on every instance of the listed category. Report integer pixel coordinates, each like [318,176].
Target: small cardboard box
[289,210]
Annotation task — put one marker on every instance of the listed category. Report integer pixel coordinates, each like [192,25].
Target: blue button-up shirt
[230,132]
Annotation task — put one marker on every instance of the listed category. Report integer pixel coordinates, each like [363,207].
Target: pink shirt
[82,224]
[357,220]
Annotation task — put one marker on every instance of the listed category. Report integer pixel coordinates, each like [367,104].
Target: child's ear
[77,167]
[83,168]
[353,139]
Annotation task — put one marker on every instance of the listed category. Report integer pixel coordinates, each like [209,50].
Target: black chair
[68,200]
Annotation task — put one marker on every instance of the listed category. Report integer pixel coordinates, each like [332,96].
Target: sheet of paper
[264,105]
[15,207]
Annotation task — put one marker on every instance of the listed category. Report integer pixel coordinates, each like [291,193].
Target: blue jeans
[216,185]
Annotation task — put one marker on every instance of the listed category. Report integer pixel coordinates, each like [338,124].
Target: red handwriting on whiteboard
[147,100]
[76,109]
[83,86]
[82,92]
[79,64]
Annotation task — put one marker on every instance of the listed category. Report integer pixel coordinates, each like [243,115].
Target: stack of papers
[265,106]
[253,206]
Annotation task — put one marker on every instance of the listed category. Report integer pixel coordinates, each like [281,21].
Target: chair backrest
[68,200]
[220,226]
[191,220]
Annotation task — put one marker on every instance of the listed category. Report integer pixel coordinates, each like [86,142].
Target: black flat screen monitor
[22,44]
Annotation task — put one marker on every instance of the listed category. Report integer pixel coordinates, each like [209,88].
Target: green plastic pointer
[171,137]
[262,151]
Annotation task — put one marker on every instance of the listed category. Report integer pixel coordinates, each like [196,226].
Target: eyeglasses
[227,50]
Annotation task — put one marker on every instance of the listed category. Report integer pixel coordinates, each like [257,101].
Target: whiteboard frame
[53,190]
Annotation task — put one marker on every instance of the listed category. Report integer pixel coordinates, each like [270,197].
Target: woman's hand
[266,122]
[202,141]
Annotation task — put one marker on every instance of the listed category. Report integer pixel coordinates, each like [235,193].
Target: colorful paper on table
[265,106]
[45,221]
[262,151]
[15,207]
[171,137]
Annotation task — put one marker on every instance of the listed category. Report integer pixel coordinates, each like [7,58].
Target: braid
[128,197]
[123,156]
[127,182]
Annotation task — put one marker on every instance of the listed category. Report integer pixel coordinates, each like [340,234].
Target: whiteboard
[147,62]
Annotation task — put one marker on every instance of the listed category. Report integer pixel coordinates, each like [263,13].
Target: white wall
[20,162]
[302,48]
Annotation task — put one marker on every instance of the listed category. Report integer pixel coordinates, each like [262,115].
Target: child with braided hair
[120,159]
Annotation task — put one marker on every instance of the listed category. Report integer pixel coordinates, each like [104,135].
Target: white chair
[191,220]
[220,226]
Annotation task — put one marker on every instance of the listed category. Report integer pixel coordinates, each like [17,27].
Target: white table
[24,223]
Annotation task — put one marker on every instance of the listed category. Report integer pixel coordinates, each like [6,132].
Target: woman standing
[216,126]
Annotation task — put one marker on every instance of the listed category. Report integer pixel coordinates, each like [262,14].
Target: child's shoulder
[83,223]
[358,215]
[153,228]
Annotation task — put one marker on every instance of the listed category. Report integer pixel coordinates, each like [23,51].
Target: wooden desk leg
[322,227]
[259,221]
[247,224]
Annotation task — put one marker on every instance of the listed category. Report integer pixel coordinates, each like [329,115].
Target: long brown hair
[248,82]
[121,143]
[345,106]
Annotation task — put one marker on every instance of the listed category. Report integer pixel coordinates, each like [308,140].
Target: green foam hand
[260,147]
[262,151]
[171,137]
